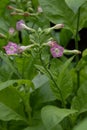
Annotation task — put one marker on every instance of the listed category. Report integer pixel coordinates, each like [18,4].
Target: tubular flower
[58,26]
[56,50]
[20,25]
[11,48]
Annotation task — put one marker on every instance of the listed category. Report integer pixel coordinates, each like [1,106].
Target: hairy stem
[77,48]
[53,80]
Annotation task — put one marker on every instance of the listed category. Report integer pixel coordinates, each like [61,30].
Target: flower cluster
[55,49]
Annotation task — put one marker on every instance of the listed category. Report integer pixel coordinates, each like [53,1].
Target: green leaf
[81,126]
[84,53]
[63,79]
[65,36]
[57,11]
[10,97]
[83,15]
[80,101]
[3,26]
[65,87]
[25,66]
[7,114]
[8,62]
[42,127]
[43,92]
[75,4]
[37,127]
[8,83]
[52,115]
[41,69]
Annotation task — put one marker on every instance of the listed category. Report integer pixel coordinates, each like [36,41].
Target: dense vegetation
[42,81]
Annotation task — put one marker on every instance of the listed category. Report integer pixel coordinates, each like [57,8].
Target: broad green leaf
[37,127]
[80,101]
[42,78]
[83,15]
[57,11]
[81,126]
[64,82]
[8,83]
[65,87]
[65,36]
[41,69]
[25,66]
[3,26]
[10,97]
[43,92]
[42,127]
[8,62]
[83,61]
[75,4]
[7,114]
[84,53]
[52,115]
[7,71]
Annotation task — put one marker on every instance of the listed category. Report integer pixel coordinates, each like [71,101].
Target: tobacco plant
[42,82]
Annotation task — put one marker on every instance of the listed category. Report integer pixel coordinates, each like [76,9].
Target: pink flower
[20,25]
[56,50]
[11,48]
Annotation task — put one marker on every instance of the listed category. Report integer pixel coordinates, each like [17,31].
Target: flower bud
[39,9]
[10,7]
[71,52]
[58,26]
[14,9]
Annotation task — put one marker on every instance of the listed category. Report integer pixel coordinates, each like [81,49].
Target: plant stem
[77,48]
[28,110]
[53,80]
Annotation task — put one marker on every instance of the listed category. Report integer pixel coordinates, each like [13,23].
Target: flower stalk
[53,80]
[77,47]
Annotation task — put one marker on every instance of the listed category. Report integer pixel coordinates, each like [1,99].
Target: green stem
[76,36]
[77,48]
[28,109]
[53,80]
